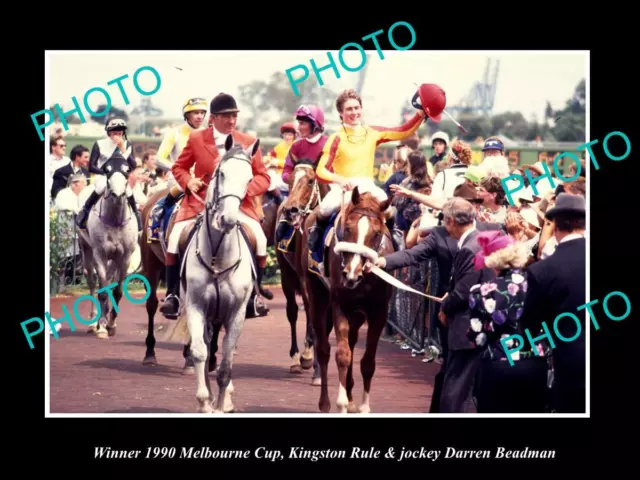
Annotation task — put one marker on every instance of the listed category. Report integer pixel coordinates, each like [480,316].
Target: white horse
[107,245]
[217,280]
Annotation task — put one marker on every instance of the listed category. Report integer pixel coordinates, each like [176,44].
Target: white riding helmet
[440,136]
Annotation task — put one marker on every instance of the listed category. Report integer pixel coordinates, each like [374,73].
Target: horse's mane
[306,161]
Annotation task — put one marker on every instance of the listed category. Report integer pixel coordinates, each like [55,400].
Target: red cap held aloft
[433,99]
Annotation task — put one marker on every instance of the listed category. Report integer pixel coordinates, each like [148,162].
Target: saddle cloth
[155,229]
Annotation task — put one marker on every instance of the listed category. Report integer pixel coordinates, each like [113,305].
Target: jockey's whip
[455,121]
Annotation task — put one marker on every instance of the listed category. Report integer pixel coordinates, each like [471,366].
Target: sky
[526,80]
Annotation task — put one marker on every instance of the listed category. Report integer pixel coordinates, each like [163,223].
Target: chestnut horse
[305,195]
[353,297]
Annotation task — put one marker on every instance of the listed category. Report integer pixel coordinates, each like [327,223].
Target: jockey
[193,112]
[203,151]
[276,158]
[348,158]
[114,145]
[310,125]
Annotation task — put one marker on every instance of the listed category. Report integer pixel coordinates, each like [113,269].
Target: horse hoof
[306,363]
[189,371]
[325,408]
[112,331]
[352,408]
[295,368]
[102,335]
[150,360]
[364,408]
[316,382]
[205,409]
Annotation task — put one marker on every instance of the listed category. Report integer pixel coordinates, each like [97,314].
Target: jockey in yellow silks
[348,158]
[193,110]
[274,161]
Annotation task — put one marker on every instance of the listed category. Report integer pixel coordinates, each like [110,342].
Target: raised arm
[390,134]
[329,153]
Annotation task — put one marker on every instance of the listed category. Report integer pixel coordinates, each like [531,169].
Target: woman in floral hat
[495,306]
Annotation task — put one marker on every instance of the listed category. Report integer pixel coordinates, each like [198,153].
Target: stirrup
[171,315]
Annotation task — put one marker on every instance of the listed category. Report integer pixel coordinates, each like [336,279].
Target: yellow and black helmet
[194,104]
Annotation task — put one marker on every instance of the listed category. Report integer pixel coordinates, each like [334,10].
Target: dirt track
[107,376]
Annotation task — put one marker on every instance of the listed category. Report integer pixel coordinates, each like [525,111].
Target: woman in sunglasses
[115,144]
[348,158]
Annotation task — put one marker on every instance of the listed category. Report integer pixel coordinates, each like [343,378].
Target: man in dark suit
[557,285]
[442,246]
[79,162]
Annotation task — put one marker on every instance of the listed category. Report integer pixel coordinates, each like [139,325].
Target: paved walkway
[89,375]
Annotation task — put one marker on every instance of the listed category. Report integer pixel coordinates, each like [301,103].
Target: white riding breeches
[333,200]
[256,228]
[276,182]
[174,238]
[172,182]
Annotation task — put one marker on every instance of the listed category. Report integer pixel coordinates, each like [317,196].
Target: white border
[48,413]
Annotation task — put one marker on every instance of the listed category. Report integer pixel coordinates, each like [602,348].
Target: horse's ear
[228,142]
[355,196]
[385,205]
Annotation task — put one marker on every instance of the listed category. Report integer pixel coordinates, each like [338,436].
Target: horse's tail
[178,331]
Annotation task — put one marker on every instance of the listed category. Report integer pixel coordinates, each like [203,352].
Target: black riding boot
[134,207]
[265,292]
[83,215]
[171,303]
[316,232]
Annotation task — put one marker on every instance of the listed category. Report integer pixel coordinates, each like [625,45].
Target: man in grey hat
[556,285]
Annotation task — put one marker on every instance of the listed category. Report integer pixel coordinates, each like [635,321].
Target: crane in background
[478,101]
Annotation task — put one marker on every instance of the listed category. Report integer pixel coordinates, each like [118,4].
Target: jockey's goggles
[113,124]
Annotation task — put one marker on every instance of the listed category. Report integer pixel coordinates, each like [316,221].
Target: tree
[113,112]
[275,98]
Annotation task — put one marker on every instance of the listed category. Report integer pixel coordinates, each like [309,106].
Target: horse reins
[208,206]
[386,277]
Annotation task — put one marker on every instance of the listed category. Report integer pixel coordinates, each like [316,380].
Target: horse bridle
[210,207]
[109,172]
[365,213]
[313,199]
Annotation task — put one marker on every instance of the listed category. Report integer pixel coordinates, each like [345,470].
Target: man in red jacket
[203,151]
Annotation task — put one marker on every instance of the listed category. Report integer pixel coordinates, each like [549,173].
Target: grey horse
[107,245]
[217,280]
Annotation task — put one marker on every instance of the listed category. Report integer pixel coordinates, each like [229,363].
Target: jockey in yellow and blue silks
[348,158]
[193,110]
